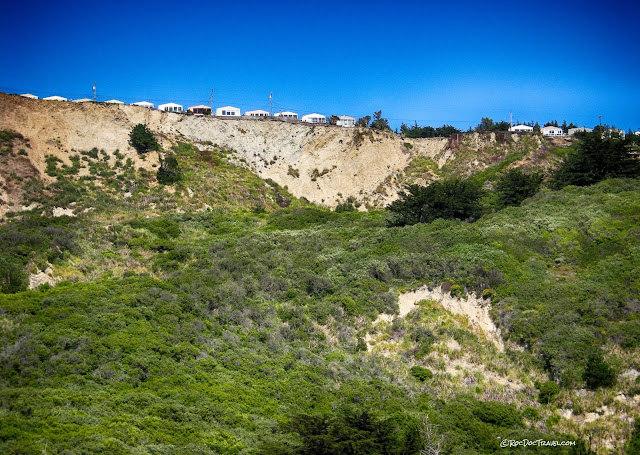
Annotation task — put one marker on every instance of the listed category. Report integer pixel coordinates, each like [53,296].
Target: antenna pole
[511,119]
[271,103]
[211,100]
[94,91]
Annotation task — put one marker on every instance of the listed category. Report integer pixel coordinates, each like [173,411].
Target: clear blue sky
[434,62]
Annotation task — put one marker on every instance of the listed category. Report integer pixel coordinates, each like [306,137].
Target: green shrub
[169,171]
[514,186]
[12,276]
[531,413]
[597,372]
[163,227]
[495,413]
[548,391]
[421,373]
[448,199]
[349,205]
[142,139]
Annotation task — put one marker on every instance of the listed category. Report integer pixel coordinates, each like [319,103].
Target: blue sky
[430,62]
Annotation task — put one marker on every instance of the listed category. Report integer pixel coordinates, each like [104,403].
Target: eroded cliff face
[324,164]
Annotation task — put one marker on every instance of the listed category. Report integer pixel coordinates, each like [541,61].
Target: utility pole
[94,91]
[211,100]
[271,103]
[510,119]
[600,118]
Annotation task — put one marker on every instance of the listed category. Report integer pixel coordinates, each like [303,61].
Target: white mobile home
[346,121]
[114,102]
[199,110]
[256,113]
[286,115]
[227,111]
[314,118]
[82,100]
[29,95]
[146,104]
[583,129]
[55,98]
[171,107]
[552,131]
[521,129]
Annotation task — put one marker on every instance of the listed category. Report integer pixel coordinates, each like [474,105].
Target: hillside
[227,314]
[323,164]
[346,162]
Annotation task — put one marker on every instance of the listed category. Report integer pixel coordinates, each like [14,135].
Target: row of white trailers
[226,111]
[548,130]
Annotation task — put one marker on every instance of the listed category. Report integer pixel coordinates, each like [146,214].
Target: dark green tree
[548,390]
[485,125]
[514,186]
[448,199]
[597,372]
[142,139]
[169,172]
[428,131]
[12,276]
[379,123]
[364,121]
[596,159]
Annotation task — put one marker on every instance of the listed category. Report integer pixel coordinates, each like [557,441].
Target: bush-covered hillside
[244,329]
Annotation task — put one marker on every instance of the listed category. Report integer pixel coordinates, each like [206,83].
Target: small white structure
[114,102]
[55,98]
[521,129]
[615,131]
[199,110]
[314,118]
[82,100]
[287,115]
[346,121]
[227,111]
[552,131]
[29,95]
[583,129]
[256,113]
[171,107]
[146,104]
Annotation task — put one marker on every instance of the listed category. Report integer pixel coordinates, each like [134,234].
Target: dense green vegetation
[487,125]
[514,186]
[597,158]
[169,171]
[241,328]
[453,199]
[428,131]
[224,352]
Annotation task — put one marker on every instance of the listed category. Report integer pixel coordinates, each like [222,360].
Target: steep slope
[321,163]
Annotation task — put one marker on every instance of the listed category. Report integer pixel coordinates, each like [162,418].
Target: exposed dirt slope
[322,163]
